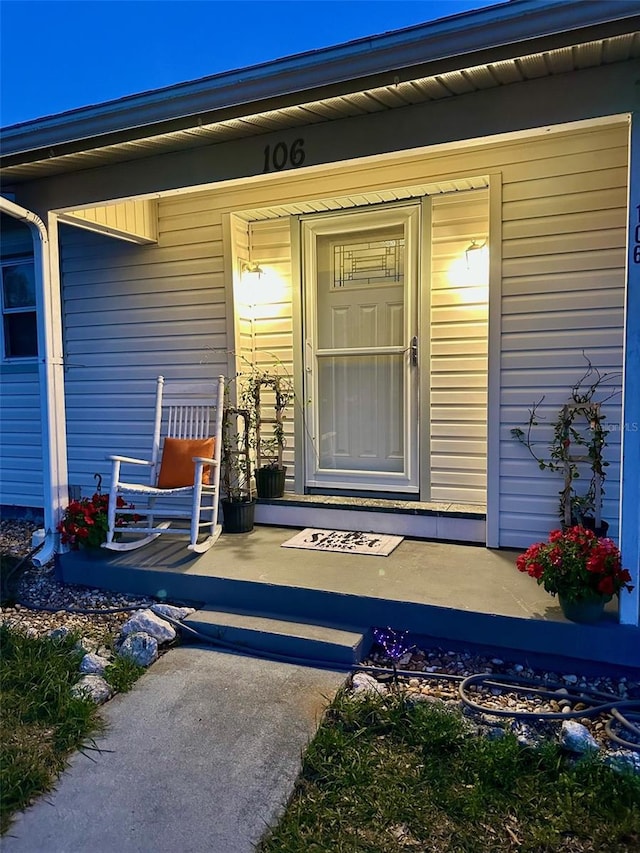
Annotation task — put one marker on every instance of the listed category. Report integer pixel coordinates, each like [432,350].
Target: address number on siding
[636,240]
[282,156]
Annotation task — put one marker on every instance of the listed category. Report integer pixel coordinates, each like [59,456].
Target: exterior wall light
[252,268]
[477,253]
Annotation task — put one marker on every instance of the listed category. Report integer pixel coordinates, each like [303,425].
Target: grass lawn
[382,777]
[41,723]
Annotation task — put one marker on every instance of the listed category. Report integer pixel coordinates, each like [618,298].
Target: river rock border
[139,641]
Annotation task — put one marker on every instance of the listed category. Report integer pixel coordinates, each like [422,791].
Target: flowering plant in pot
[84,522]
[582,569]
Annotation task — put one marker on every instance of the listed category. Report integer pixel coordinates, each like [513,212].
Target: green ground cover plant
[41,723]
[383,776]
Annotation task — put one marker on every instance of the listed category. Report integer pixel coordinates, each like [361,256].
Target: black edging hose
[599,702]
[88,611]
[6,579]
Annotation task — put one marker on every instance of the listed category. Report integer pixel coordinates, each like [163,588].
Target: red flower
[576,564]
[86,521]
[606,585]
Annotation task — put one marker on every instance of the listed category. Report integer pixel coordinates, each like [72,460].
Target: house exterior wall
[132,312]
[563,282]
[21,481]
[273,319]
[458,365]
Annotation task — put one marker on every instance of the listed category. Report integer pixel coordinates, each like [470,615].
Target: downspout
[50,363]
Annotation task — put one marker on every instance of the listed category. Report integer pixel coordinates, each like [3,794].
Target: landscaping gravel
[39,588]
[564,686]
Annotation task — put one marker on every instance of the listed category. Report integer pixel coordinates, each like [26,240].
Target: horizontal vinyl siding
[132,313]
[562,294]
[458,348]
[273,321]
[243,311]
[21,481]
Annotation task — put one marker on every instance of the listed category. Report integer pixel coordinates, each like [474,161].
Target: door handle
[413,351]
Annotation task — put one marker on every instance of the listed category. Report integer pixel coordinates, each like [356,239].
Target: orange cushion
[178,468]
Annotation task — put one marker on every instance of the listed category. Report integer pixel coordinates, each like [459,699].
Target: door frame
[317,225]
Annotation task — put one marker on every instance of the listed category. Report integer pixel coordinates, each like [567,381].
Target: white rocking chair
[185,463]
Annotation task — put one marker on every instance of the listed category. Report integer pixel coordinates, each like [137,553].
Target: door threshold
[381,505]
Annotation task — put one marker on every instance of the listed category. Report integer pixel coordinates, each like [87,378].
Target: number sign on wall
[282,156]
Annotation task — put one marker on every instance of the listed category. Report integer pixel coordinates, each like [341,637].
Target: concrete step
[264,633]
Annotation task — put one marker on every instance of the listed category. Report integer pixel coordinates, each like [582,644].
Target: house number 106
[636,240]
[281,156]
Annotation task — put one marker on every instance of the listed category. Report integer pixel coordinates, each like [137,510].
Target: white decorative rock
[623,761]
[140,648]
[576,738]
[526,735]
[364,685]
[59,633]
[93,687]
[93,664]
[171,611]
[149,623]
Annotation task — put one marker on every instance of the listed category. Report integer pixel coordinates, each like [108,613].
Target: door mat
[344,541]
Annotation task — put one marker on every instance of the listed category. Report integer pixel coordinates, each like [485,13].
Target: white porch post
[52,377]
[48,304]
[630,425]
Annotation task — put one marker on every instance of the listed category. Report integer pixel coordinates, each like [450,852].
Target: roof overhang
[491,47]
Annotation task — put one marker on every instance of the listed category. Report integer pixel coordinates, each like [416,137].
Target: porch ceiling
[322,205]
[19,164]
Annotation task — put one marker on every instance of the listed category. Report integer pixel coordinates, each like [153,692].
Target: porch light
[477,254]
[252,268]
[468,273]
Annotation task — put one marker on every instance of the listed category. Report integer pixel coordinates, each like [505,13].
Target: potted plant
[268,431]
[238,504]
[84,522]
[582,569]
[579,440]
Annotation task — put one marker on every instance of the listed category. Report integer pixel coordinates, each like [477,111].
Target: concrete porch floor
[457,593]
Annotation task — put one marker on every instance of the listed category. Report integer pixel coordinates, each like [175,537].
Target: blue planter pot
[586,612]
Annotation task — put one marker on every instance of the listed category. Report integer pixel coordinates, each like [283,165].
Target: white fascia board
[349,64]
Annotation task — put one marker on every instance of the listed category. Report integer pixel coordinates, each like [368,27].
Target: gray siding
[458,352]
[131,313]
[21,482]
[563,281]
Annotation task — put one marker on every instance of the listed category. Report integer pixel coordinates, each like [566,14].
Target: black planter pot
[589,523]
[270,482]
[237,516]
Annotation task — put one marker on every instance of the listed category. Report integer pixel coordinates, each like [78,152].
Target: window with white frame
[19,326]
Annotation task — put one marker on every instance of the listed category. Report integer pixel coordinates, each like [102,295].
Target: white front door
[361,272]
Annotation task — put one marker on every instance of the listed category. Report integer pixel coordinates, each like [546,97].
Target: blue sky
[57,55]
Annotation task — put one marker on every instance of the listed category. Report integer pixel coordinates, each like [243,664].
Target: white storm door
[361,336]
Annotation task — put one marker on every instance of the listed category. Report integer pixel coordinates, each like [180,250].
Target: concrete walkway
[200,757]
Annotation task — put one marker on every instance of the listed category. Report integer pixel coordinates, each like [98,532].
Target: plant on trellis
[568,437]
